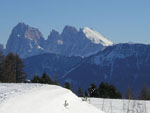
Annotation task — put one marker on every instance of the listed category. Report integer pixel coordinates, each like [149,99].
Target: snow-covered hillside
[37,98]
[120,106]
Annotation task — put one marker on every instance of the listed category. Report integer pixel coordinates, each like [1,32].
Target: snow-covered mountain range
[28,41]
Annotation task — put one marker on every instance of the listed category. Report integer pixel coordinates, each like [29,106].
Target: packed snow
[120,105]
[95,37]
[37,98]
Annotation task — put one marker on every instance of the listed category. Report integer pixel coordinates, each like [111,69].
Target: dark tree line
[104,90]
[143,95]
[11,68]
[67,86]
[44,79]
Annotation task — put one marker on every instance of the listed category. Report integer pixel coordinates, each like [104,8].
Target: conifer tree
[55,80]
[46,79]
[80,93]
[67,85]
[36,79]
[85,94]
[129,94]
[144,95]
[9,68]
[108,91]
[93,91]
[19,68]
[1,66]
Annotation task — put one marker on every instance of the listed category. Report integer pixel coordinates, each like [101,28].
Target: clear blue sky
[118,20]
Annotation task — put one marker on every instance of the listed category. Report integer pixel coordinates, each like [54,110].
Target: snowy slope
[95,37]
[36,98]
[121,106]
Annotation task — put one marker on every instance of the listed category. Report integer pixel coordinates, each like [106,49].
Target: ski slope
[37,98]
[120,105]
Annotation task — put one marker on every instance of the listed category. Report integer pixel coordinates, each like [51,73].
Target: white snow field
[96,37]
[37,98]
[120,106]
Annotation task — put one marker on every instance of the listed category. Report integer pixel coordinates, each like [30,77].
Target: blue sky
[118,20]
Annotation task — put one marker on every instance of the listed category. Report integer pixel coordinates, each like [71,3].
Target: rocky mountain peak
[33,34]
[21,25]
[25,40]
[53,34]
[69,30]
[28,41]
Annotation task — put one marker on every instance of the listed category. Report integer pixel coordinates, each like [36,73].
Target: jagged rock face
[54,43]
[25,41]
[124,65]
[28,41]
[72,42]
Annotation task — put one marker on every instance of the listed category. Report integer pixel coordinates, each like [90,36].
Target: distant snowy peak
[95,37]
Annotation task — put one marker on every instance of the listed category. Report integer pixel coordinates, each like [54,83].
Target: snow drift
[37,98]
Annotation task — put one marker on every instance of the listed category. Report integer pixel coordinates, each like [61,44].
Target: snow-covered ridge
[45,99]
[96,37]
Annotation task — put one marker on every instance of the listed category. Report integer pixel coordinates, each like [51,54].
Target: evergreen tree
[80,93]
[9,68]
[67,85]
[46,79]
[93,91]
[55,80]
[36,79]
[20,74]
[144,95]
[129,94]
[103,90]
[85,94]
[108,91]
[1,66]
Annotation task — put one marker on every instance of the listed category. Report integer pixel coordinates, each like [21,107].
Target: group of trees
[143,95]
[44,79]
[104,90]
[67,86]
[11,68]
